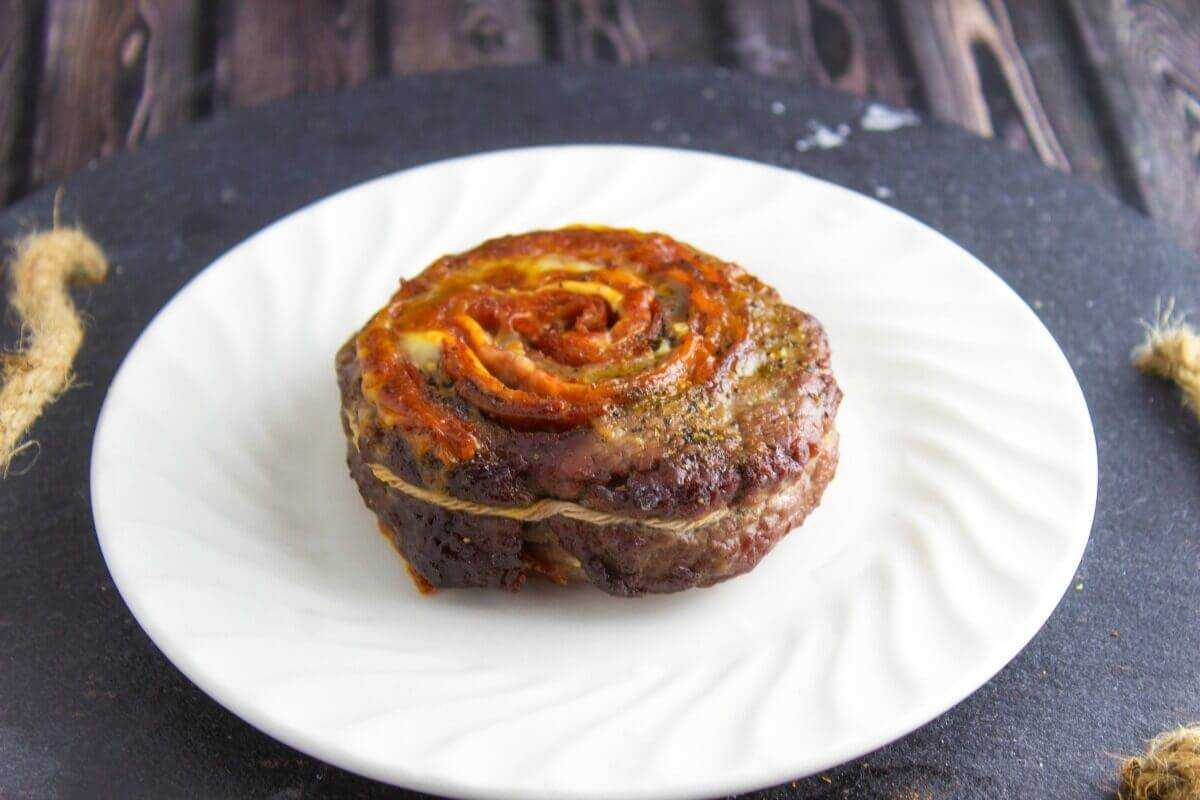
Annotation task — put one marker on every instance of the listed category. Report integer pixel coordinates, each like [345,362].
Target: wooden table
[1107,89]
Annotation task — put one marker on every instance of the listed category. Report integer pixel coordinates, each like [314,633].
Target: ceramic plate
[958,515]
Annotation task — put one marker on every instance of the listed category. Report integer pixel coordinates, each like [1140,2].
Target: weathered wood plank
[269,50]
[1061,80]
[14,42]
[428,36]
[973,73]
[1146,55]
[881,74]
[169,50]
[632,32]
[842,44]
[113,74]
[766,39]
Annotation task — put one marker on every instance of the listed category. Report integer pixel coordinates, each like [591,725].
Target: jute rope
[542,509]
[43,266]
[1171,350]
[1169,769]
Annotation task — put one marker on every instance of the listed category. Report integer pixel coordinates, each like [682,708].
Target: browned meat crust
[745,425]
[457,549]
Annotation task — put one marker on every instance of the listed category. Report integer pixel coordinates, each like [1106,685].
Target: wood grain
[113,75]
[974,75]
[842,44]
[14,24]
[1107,88]
[765,38]
[631,32]
[1147,60]
[269,50]
[457,34]
[1060,73]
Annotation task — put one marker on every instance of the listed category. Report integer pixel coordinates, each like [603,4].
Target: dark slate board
[89,707]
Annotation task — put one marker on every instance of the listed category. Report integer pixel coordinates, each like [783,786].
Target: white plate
[958,515]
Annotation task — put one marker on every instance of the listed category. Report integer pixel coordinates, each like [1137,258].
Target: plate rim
[174,649]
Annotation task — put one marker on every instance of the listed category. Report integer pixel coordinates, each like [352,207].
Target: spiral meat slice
[630,375]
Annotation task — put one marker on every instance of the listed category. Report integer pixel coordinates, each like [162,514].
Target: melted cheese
[532,268]
[424,348]
[610,295]
[554,263]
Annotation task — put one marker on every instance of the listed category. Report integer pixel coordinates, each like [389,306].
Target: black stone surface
[88,706]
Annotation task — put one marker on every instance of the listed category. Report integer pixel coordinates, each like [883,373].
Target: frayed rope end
[43,266]
[1170,767]
[1171,350]
[1168,770]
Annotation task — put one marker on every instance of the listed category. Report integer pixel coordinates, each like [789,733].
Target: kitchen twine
[45,264]
[542,509]
[42,267]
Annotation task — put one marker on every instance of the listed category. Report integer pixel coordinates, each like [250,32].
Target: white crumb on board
[883,192]
[823,137]
[778,108]
[879,117]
